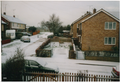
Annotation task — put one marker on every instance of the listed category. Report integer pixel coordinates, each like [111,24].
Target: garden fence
[67,77]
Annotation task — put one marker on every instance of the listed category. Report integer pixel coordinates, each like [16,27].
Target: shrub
[14,67]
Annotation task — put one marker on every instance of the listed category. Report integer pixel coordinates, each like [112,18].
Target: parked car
[25,39]
[26,33]
[116,71]
[34,64]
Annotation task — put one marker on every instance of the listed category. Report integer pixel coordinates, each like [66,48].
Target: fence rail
[68,77]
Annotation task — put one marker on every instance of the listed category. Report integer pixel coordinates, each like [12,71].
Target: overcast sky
[33,12]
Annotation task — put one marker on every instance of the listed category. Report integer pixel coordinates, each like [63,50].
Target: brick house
[99,32]
[74,27]
[13,23]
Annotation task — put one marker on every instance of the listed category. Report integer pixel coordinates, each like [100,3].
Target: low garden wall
[102,55]
[40,52]
[6,41]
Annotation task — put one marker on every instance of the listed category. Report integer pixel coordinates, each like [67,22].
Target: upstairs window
[13,24]
[110,25]
[109,40]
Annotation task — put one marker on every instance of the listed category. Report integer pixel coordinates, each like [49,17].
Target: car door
[27,66]
[34,65]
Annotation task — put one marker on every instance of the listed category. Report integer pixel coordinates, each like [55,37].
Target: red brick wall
[93,33]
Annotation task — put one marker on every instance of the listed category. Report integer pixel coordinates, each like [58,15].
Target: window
[26,63]
[110,25]
[77,25]
[13,24]
[34,63]
[109,40]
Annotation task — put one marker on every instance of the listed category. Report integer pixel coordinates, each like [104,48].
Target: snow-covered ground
[60,56]
[28,48]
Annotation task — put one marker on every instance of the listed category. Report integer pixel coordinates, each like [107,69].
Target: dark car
[26,33]
[33,64]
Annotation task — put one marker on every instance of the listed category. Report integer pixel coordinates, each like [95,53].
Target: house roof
[3,22]
[82,17]
[102,10]
[12,19]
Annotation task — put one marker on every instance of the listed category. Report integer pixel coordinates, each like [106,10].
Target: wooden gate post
[62,76]
[94,78]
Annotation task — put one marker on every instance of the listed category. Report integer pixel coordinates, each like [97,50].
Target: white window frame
[111,40]
[78,25]
[112,25]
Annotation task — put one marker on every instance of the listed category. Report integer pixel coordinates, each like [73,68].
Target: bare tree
[53,24]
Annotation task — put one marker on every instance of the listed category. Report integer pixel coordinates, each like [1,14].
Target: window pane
[106,25]
[26,62]
[113,40]
[13,24]
[34,63]
[110,25]
[105,40]
[114,25]
[109,40]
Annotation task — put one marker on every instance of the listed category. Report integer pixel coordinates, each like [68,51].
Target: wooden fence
[67,77]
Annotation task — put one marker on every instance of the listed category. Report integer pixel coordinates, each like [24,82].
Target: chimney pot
[14,16]
[4,13]
[94,10]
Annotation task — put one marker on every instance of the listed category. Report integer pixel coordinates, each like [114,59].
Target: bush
[14,67]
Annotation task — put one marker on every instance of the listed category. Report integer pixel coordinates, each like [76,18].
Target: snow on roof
[12,19]
[102,10]
[82,17]
[3,22]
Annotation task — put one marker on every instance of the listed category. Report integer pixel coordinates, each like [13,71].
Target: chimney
[14,16]
[94,10]
[4,13]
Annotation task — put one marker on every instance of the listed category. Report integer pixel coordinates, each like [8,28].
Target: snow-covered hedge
[40,48]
